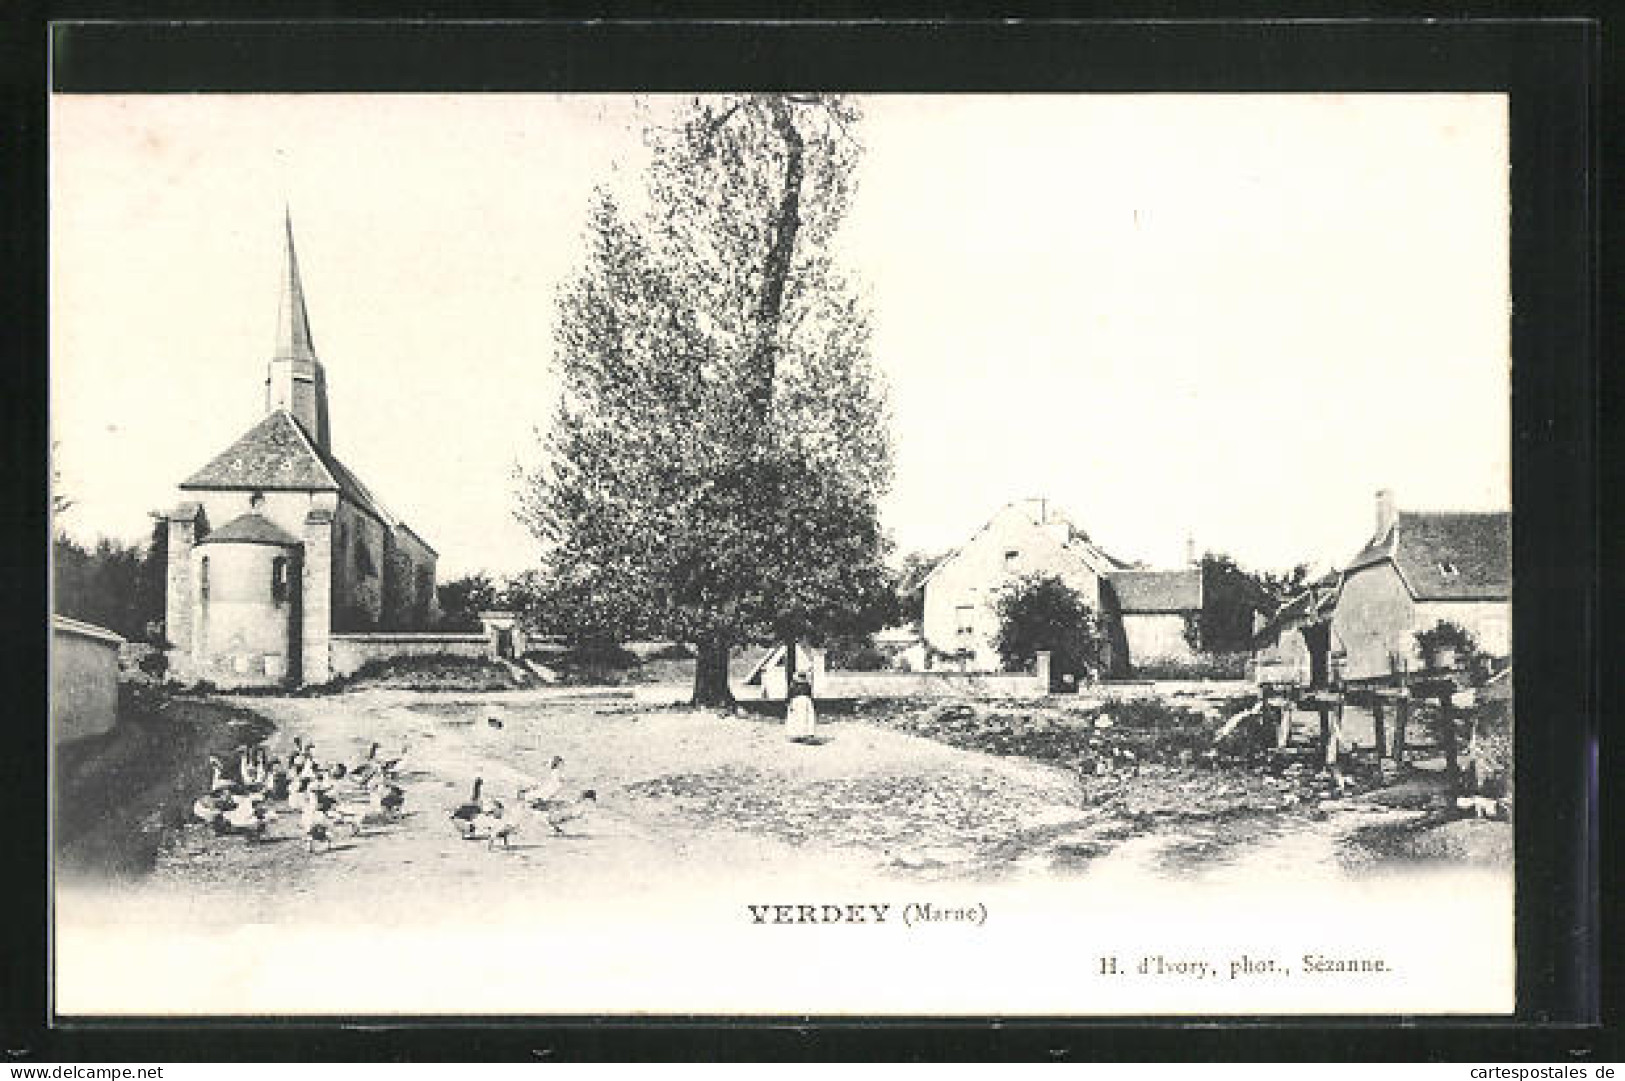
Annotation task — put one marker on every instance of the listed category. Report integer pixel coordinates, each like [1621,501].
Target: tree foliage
[713,467]
[111,584]
[1041,612]
[1231,594]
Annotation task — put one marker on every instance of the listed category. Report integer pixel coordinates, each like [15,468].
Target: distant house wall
[1375,619]
[349,652]
[1377,616]
[1156,636]
[84,679]
[962,593]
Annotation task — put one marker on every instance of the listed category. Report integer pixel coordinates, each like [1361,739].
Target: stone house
[1152,615]
[961,623]
[1418,569]
[275,545]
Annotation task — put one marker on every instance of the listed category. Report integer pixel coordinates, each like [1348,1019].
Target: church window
[279,580]
[363,559]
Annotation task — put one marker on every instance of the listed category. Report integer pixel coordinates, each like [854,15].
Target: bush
[1042,612]
[154,664]
[1446,635]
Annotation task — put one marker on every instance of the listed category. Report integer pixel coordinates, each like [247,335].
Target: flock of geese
[326,796]
[331,796]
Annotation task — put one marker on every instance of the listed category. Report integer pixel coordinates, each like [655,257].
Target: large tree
[713,469]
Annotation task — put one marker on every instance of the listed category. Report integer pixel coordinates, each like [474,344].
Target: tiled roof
[277,455]
[1158,591]
[1447,555]
[274,455]
[252,528]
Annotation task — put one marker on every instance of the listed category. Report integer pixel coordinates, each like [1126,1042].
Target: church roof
[293,341]
[277,455]
[252,528]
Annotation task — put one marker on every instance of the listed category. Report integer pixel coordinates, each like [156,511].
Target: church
[275,547]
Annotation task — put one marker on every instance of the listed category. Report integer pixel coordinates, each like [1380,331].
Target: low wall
[84,679]
[932,685]
[348,652]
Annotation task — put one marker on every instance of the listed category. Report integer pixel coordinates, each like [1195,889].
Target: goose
[277,780]
[492,827]
[247,819]
[211,809]
[387,800]
[464,814]
[560,812]
[316,826]
[545,790]
[391,767]
[367,766]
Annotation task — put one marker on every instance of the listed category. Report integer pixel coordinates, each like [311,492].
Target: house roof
[1097,559]
[1446,555]
[277,455]
[252,528]
[67,625]
[1158,591]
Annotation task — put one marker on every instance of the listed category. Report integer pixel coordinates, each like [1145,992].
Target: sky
[1222,318]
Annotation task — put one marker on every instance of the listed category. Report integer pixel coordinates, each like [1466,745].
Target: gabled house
[1420,568]
[961,621]
[1145,612]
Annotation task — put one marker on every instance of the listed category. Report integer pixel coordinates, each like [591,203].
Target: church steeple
[295,380]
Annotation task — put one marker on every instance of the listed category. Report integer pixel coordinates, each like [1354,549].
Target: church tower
[294,379]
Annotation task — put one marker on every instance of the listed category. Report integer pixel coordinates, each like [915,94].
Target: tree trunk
[711,675]
[776,267]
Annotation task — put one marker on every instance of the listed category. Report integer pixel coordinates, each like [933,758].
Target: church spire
[294,380]
[293,324]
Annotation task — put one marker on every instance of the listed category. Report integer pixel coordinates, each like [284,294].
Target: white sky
[1232,317]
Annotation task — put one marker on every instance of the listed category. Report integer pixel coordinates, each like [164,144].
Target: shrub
[1446,635]
[1041,612]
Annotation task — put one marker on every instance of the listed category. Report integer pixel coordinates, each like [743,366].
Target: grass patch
[439,672]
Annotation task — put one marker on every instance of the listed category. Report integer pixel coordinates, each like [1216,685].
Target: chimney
[1386,514]
[1190,549]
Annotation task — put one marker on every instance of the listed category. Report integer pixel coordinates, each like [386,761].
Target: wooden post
[1402,716]
[1381,730]
[1283,734]
[1447,732]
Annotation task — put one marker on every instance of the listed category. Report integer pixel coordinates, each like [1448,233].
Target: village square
[721,664]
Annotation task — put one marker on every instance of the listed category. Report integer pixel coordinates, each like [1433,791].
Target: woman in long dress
[800,722]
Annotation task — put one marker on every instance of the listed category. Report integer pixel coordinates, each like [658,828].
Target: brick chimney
[1386,513]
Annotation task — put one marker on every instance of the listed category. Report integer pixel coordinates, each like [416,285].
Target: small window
[966,615]
[1448,569]
[279,580]
[1012,559]
[203,578]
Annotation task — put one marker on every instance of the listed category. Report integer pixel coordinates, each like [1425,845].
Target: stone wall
[836,684]
[348,652]
[84,679]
